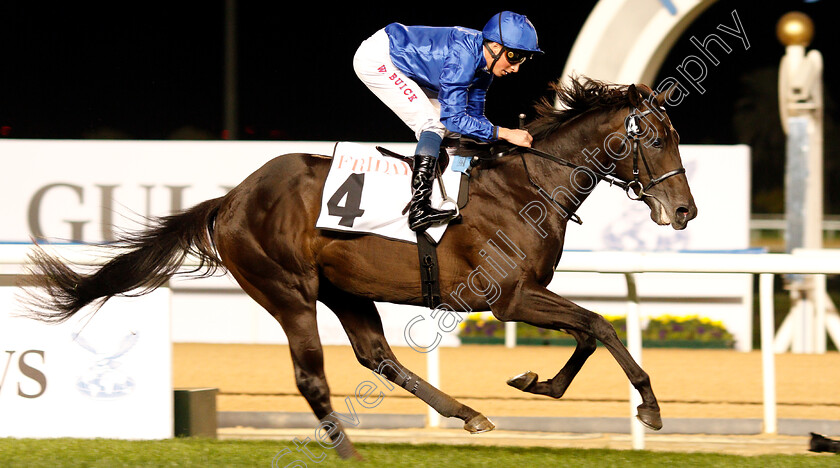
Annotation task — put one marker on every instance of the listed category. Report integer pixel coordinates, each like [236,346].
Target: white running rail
[766,265]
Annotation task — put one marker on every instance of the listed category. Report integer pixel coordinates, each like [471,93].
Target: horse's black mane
[580,95]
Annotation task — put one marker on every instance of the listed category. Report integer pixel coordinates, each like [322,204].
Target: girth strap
[429,286]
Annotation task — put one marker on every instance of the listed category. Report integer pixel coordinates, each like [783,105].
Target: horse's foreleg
[556,387]
[363,325]
[540,307]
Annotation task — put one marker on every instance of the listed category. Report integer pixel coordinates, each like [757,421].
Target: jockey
[435,79]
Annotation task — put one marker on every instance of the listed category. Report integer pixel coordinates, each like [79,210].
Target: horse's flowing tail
[140,263]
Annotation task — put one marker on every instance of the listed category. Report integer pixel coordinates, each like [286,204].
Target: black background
[154,70]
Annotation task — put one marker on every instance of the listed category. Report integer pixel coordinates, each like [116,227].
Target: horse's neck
[567,185]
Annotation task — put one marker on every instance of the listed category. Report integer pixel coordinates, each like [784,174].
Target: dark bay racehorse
[263,232]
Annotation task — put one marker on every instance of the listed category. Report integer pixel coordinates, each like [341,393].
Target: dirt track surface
[688,383]
[734,445]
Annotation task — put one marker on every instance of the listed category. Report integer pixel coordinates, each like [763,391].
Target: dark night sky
[146,70]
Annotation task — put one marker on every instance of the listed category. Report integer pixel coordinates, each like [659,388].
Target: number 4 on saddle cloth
[366,192]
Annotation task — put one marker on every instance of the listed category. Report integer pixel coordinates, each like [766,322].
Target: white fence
[819,263]
[628,264]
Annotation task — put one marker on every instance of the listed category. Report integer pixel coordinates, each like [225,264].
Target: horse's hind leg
[296,314]
[363,325]
[556,387]
[308,359]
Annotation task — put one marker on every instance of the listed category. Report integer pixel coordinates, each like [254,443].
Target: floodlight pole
[230,124]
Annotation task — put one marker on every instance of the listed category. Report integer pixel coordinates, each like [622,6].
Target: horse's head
[640,146]
[650,160]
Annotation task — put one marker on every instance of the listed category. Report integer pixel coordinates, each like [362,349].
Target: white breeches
[417,109]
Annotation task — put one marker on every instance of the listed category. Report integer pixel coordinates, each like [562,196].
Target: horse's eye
[657,143]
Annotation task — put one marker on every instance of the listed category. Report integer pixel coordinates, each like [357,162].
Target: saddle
[476,152]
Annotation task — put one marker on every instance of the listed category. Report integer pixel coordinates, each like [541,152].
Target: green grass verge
[254,453]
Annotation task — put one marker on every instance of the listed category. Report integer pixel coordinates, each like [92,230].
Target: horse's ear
[662,98]
[634,96]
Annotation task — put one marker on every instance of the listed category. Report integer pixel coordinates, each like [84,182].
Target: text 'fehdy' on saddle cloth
[366,192]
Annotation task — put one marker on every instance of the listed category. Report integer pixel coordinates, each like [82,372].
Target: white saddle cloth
[366,192]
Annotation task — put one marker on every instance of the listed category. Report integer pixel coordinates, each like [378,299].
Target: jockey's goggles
[515,57]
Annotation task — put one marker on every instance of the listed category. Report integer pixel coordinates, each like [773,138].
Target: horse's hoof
[479,424]
[649,418]
[523,381]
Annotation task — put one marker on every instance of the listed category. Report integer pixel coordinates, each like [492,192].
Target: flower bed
[658,332]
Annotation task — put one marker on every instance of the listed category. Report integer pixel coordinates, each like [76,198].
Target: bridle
[633,131]
[634,189]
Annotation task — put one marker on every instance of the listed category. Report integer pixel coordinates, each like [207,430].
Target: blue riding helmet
[512,31]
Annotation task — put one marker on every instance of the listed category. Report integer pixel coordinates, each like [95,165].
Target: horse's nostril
[682,211]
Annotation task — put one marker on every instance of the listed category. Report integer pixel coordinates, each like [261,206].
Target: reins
[634,189]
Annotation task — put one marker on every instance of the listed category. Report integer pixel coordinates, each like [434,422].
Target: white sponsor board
[79,189]
[719,177]
[85,190]
[106,375]
[720,182]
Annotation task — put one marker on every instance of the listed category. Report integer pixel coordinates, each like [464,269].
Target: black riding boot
[421,215]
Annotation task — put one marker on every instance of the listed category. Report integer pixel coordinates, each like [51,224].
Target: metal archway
[626,41]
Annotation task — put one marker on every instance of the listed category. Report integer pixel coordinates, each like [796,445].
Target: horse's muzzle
[682,215]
